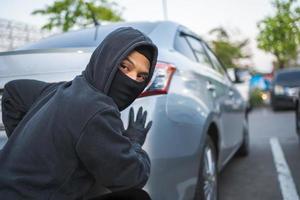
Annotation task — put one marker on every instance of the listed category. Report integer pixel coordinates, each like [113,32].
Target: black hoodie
[65,139]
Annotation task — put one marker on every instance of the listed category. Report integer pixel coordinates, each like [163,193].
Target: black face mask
[125,90]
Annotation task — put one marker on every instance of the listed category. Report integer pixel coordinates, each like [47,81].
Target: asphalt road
[255,177]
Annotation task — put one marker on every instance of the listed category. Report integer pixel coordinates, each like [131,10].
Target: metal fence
[15,34]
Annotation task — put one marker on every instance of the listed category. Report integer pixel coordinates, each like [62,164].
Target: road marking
[287,185]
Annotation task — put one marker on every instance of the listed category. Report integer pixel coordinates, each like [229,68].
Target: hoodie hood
[104,62]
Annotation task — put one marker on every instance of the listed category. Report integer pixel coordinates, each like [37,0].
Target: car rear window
[292,77]
[91,37]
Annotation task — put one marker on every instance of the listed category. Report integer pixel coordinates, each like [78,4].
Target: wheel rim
[209,175]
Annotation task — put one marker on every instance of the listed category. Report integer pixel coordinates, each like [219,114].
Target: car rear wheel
[207,185]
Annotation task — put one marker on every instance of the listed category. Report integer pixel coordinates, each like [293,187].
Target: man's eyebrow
[144,73]
[129,60]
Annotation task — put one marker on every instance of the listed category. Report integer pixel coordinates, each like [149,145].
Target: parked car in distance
[285,88]
[199,117]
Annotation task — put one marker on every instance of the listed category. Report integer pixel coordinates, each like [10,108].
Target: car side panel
[180,121]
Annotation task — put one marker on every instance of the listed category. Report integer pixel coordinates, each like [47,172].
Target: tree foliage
[65,14]
[280,34]
[229,52]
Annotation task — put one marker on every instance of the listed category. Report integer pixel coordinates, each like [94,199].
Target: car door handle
[210,86]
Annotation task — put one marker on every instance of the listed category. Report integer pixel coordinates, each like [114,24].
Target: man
[66,139]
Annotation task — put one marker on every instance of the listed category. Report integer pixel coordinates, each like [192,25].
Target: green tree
[280,34]
[65,14]
[228,51]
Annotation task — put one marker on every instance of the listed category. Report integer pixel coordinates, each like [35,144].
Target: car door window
[216,63]
[182,46]
[199,51]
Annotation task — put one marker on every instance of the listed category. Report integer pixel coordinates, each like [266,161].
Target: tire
[245,146]
[275,108]
[207,183]
[273,104]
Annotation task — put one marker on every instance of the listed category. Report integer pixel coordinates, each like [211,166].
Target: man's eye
[142,77]
[124,67]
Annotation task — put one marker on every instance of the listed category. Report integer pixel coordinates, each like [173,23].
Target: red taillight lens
[161,79]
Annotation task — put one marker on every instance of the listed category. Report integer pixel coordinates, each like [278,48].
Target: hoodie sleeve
[18,97]
[110,157]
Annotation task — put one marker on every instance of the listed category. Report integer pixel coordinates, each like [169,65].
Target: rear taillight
[160,81]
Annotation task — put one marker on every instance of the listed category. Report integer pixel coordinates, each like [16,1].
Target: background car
[285,87]
[199,117]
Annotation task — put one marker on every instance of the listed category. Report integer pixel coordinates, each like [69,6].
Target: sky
[239,17]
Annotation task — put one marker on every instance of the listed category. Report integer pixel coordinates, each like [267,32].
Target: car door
[206,74]
[198,67]
[232,108]
[217,87]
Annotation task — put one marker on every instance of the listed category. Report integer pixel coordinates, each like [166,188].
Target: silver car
[199,118]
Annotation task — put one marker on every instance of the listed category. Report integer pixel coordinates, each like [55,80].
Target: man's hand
[136,130]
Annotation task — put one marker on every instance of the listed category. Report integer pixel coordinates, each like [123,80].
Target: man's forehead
[137,61]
